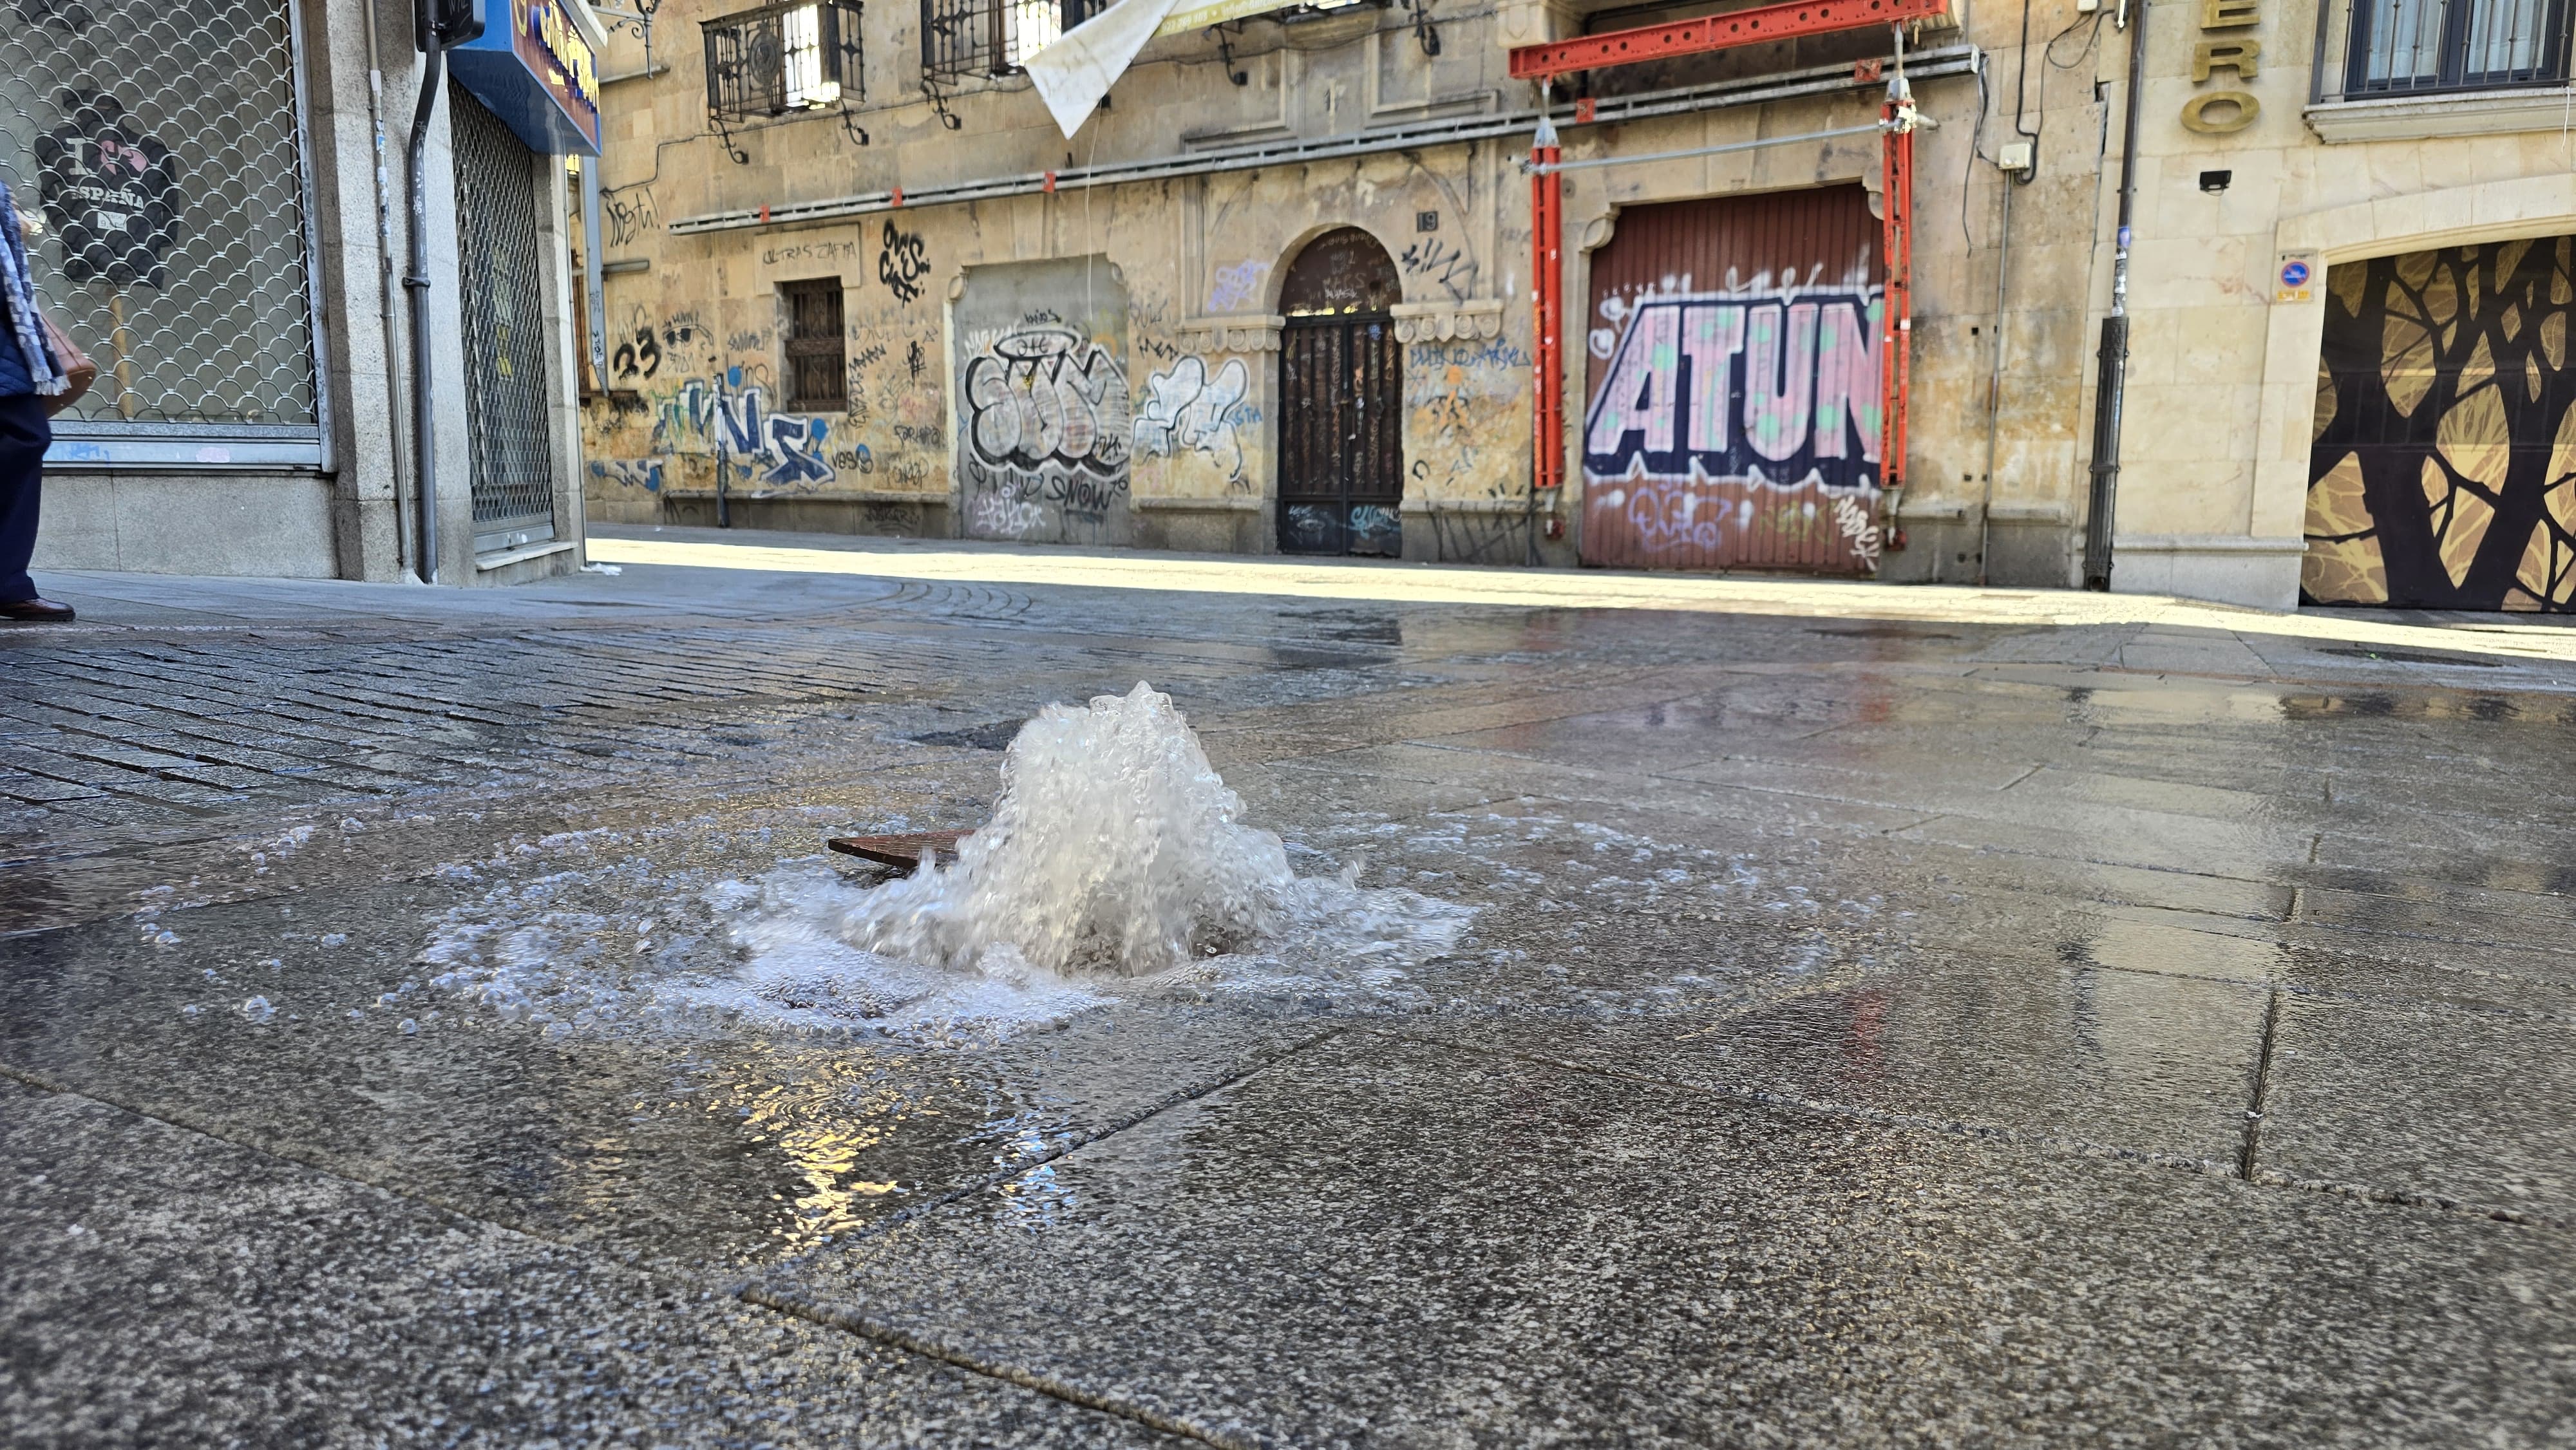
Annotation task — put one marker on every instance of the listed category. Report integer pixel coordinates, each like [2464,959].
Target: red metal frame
[1547,238]
[1895,358]
[1714,32]
[1718,32]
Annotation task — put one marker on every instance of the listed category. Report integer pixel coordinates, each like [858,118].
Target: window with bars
[818,378]
[784,58]
[961,38]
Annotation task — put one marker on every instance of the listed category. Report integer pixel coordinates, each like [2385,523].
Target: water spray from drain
[1116,866]
[1115,849]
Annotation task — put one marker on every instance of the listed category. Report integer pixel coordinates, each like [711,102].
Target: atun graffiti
[1187,410]
[1048,430]
[1731,426]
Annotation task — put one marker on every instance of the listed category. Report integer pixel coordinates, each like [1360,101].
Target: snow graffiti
[1048,432]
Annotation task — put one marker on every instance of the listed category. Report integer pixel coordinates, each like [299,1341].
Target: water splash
[1114,849]
[1116,868]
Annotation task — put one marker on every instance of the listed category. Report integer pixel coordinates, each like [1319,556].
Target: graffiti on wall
[627,213]
[1443,265]
[771,450]
[901,263]
[2443,469]
[643,473]
[1736,425]
[1235,288]
[1048,428]
[1467,401]
[692,405]
[644,346]
[1189,410]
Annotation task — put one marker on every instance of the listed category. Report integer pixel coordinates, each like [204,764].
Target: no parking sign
[2296,279]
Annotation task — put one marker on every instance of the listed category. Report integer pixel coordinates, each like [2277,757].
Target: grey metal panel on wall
[507,338]
[1045,418]
[162,147]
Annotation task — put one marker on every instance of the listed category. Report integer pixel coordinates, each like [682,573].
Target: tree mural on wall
[2443,473]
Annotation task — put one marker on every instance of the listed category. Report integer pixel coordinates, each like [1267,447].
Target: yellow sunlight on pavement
[1569,589]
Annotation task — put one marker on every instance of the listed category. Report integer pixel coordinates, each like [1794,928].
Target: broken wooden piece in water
[904,853]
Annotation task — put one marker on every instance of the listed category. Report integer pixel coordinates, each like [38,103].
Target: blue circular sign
[2294,274]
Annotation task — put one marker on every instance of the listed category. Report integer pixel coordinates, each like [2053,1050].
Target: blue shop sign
[535,68]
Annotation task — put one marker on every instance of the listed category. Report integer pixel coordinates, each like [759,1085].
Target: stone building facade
[2352,291]
[225,237]
[1276,292]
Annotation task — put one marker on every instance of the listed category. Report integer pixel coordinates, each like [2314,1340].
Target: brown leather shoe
[36,611]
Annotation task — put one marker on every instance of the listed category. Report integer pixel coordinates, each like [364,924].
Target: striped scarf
[19,286]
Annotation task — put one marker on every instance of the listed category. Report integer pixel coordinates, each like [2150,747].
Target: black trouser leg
[24,436]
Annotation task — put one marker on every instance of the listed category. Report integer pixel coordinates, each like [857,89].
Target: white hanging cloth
[1077,69]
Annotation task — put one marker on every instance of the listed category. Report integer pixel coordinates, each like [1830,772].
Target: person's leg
[24,436]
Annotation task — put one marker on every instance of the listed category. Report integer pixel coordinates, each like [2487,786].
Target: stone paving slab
[1396,1242]
[2425,1100]
[2124,1062]
[165,1288]
[690,1146]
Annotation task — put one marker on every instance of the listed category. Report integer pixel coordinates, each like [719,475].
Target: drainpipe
[2114,357]
[433,73]
[1547,280]
[1995,386]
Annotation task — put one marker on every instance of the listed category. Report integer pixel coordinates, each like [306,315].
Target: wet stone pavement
[421,1027]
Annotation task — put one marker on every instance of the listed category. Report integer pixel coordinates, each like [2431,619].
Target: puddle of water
[1116,865]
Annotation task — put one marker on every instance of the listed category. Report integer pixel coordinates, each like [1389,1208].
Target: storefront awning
[535,67]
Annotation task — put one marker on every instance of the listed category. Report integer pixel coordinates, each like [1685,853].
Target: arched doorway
[1341,389]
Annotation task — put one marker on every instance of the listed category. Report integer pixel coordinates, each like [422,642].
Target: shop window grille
[784,59]
[507,401]
[817,373]
[161,148]
[2410,47]
[964,38]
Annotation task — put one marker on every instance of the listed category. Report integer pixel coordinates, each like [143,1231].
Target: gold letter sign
[2216,113]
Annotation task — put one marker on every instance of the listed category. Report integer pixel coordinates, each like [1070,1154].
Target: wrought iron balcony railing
[962,38]
[783,58]
[2374,49]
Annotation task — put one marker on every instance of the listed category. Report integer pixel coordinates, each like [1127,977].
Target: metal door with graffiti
[1045,417]
[506,398]
[1341,384]
[1734,414]
[2443,469]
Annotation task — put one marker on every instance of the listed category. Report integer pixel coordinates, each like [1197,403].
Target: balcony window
[2399,47]
[782,59]
[961,38]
